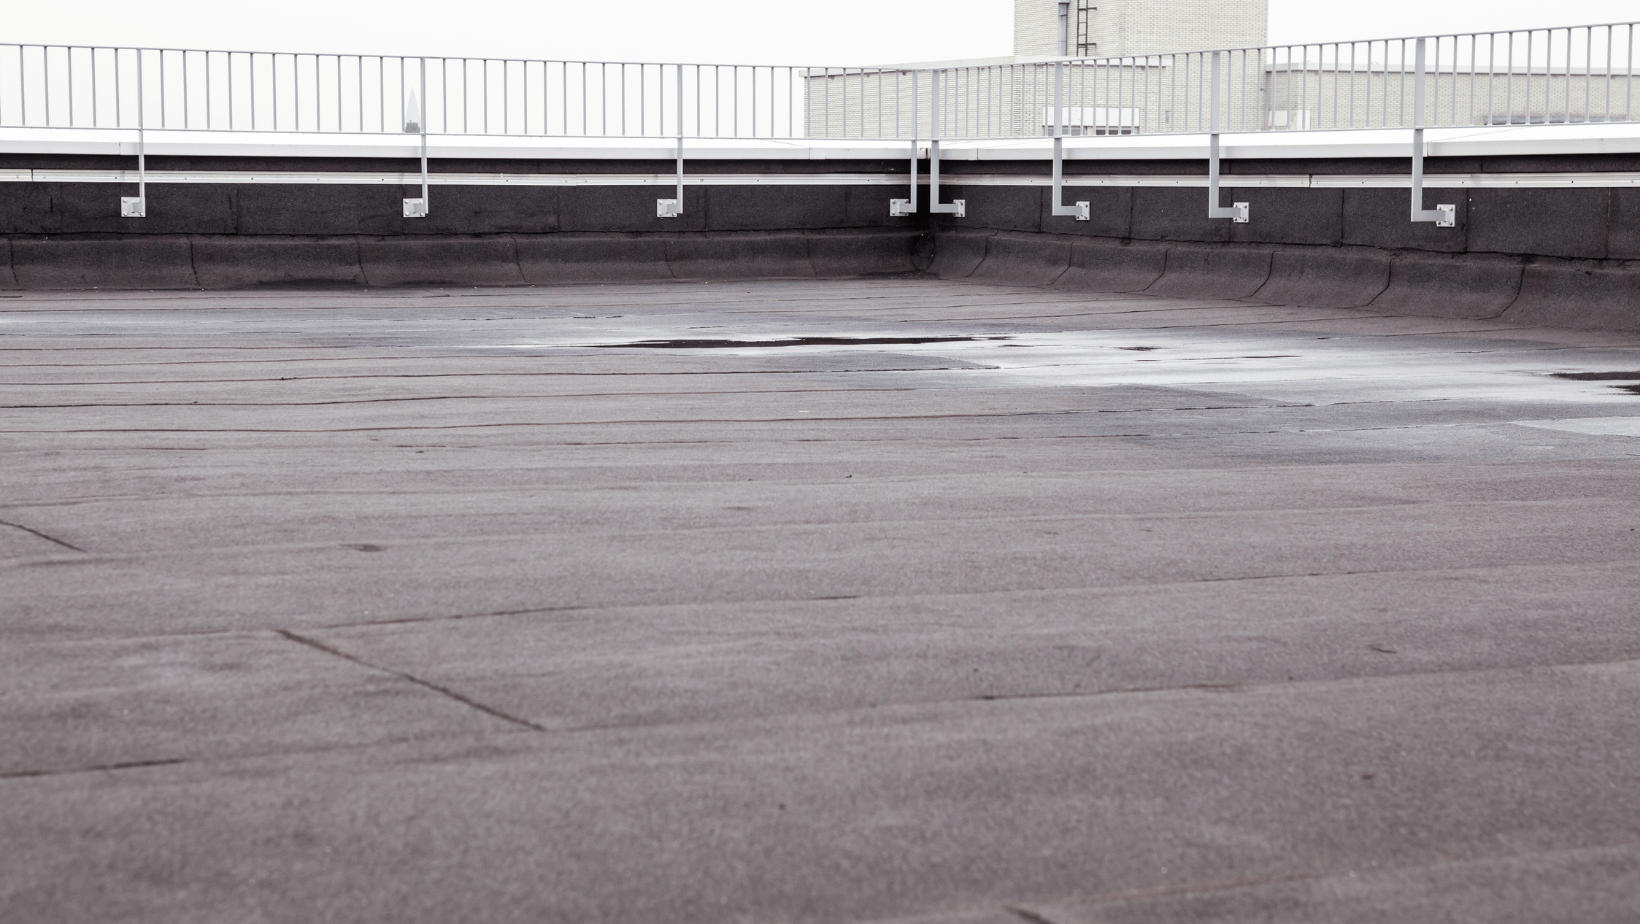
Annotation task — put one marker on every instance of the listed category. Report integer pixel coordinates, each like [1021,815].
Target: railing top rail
[1084,59]
[453,57]
[1033,60]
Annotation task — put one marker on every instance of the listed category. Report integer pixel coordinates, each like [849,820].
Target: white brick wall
[1136,27]
[1036,26]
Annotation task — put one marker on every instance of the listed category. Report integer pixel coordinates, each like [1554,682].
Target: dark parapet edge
[400,261]
[1525,289]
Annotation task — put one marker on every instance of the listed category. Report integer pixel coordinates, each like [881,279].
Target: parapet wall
[1555,255]
[1560,249]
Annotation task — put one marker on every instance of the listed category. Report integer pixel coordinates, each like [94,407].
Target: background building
[1106,28]
[1135,73]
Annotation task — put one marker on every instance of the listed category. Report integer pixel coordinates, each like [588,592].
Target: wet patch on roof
[785,342]
[1604,377]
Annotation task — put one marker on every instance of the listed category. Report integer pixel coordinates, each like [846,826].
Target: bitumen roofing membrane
[873,600]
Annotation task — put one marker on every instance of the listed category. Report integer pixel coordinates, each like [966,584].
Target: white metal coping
[1287,181]
[1478,141]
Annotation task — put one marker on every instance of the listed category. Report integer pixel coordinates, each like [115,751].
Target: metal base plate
[1243,213]
[1449,216]
[668,208]
[415,208]
[133,207]
[900,208]
[1080,211]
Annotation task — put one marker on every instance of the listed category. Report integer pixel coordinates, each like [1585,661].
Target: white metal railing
[1563,75]
[175,89]
[1531,76]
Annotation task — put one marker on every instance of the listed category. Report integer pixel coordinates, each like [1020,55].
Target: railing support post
[1238,212]
[1445,215]
[957,207]
[137,206]
[1080,211]
[672,208]
[417,208]
[903,208]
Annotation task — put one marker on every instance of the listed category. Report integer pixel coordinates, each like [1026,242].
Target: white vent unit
[1092,120]
[1293,119]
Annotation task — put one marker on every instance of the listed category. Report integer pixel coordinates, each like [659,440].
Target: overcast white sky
[729,31]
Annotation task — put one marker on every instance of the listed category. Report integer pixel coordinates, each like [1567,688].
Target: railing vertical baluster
[1491,77]
[1530,35]
[1588,71]
[1459,85]
[1566,116]
[1289,88]
[1628,102]
[1606,107]
[1509,85]
[1474,55]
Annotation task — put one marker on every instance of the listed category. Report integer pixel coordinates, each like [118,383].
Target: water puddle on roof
[1605,377]
[784,342]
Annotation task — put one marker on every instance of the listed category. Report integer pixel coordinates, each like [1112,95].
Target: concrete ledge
[401,261]
[128,262]
[1451,285]
[1582,294]
[1326,277]
[1113,266]
[8,280]
[1213,271]
[739,256]
[958,253]
[547,259]
[233,262]
[865,253]
[1024,259]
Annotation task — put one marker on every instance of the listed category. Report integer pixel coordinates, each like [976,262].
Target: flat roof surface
[631,604]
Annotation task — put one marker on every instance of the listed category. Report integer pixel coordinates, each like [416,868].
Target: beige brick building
[1109,28]
[1137,75]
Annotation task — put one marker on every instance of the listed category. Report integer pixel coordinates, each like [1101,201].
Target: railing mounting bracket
[1238,212]
[417,208]
[673,207]
[1081,211]
[957,207]
[1444,215]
